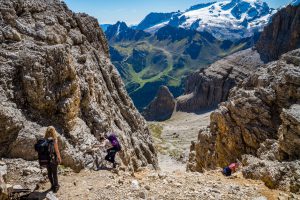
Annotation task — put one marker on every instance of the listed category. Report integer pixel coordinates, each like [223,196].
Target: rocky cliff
[55,70]
[208,87]
[282,35]
[264,107]
[162,107]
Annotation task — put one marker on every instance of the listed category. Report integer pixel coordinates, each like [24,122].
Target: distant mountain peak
[121,32]
[116,28]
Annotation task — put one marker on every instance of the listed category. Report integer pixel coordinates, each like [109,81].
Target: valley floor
[173,138]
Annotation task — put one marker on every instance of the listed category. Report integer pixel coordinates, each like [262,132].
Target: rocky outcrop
[3,186]
[282,35]
[55,70]
[28,174]
[208,87]
[265,106]
[280,175]
[289,131]
[162,107]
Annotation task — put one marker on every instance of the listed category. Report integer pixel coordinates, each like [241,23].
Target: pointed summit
[121,32]
[114,30]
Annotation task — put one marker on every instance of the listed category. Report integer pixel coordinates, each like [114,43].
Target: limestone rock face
[282,35]
[3,187]
[207,88]
[289,131]
[162,107]
[280,175]
[55,70]
[265,106]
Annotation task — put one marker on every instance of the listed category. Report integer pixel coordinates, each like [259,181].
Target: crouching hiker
[233,167]
[113,146]
[49,156]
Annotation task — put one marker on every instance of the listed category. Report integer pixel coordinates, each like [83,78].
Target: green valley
[147,61]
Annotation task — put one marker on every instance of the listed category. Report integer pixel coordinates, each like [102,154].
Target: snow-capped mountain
[233,19]
[295,2]
[153,19]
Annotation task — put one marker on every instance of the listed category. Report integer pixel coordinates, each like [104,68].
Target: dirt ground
[147,184]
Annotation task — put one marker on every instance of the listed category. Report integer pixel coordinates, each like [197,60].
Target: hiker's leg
[55,177]
[108,157]
[49,169]
[97,161]
[113,155]
[113,159]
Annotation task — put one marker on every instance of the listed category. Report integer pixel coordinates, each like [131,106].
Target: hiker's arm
[57,151]
[98,145]
[104,143]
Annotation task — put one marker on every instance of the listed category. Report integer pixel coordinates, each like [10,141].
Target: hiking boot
[55,189]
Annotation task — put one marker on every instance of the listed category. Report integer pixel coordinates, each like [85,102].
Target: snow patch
[295,3]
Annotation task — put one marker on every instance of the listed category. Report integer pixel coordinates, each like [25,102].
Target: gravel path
[105,185]
[173,143]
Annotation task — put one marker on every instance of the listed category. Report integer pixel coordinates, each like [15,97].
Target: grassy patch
[156,130]
[162,145]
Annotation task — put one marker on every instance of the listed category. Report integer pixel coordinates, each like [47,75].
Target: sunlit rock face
[282,35]
[55,70]
[260,118]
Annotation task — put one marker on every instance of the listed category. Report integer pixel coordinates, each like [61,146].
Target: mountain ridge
[242,17]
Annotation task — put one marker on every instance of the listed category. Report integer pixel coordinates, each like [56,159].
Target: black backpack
[45,150]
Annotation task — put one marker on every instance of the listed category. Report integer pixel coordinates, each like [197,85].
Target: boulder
[280,175]
[289,132]
[162,107]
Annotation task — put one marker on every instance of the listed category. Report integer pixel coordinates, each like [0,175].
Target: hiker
[51,134]
[111,142]
[49,155]
[233,167]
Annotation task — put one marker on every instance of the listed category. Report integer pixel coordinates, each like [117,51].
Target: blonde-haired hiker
[49,155]
[54,161]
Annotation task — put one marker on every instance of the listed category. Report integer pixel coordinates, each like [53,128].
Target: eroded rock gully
[264,107]
[55,70]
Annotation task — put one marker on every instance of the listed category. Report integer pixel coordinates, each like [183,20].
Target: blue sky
[133,11]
